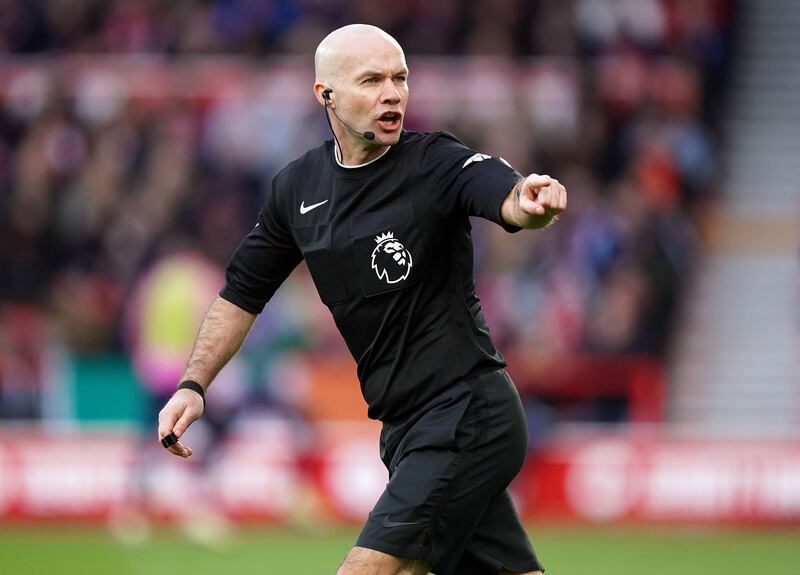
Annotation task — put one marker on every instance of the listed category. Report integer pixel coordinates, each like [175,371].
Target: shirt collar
[359,165]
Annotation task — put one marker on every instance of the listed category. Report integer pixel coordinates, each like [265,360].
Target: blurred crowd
[118,184]
[448,27]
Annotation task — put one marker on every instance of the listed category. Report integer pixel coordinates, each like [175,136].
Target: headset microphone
[326,95]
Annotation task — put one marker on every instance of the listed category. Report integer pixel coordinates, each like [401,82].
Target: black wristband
[196,387]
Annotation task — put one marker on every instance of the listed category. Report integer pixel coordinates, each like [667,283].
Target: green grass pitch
[565,550]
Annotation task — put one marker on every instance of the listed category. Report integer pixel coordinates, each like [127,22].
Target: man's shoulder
[439,148]
[309,163]
[431,148]
[426,139]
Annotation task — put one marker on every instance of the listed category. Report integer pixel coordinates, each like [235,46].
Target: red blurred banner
[663,479]
[594,477]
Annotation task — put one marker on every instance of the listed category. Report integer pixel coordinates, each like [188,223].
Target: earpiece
[326,95]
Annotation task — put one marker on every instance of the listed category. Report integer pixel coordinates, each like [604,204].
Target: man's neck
[351,154]
[357,160]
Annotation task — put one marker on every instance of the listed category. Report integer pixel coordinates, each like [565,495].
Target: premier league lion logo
[390,259]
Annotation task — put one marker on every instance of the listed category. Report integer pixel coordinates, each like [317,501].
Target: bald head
[362,81]
[344,47]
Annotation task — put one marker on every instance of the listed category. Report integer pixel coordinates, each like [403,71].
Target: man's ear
[324,93]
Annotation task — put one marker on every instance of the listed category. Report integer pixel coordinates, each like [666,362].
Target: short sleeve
[465,181]
[263,260]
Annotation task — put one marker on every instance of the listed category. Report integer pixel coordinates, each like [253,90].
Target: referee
[381,217]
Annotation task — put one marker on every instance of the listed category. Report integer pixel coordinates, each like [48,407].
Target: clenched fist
[534,202]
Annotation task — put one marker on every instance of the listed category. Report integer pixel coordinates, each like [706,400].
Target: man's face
[373,89]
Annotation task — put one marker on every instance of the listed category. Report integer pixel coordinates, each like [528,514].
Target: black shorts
[449,467]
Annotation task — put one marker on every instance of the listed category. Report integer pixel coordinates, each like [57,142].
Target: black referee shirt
[388,245]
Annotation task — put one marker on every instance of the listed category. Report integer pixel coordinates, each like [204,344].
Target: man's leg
[446,500]
[362,561]
[499,543]
[528,573]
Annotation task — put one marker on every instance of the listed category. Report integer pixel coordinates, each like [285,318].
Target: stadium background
[652,332]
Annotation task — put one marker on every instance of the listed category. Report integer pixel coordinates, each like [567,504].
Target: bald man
[381,217]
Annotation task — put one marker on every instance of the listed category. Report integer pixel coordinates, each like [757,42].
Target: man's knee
[362,561]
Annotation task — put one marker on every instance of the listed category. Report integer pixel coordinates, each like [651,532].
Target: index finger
[177,447]
[538,181]
[166,422]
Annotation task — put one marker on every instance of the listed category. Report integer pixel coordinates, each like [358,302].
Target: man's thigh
[361,561]
[461,460]
[499,544]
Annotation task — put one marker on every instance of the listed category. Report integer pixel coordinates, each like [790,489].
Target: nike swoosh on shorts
[388,523]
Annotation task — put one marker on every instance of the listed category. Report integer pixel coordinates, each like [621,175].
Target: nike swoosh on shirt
[305,209]
[388,523]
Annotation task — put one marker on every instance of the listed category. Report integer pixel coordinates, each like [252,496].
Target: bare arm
[534,202]
[221,335]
